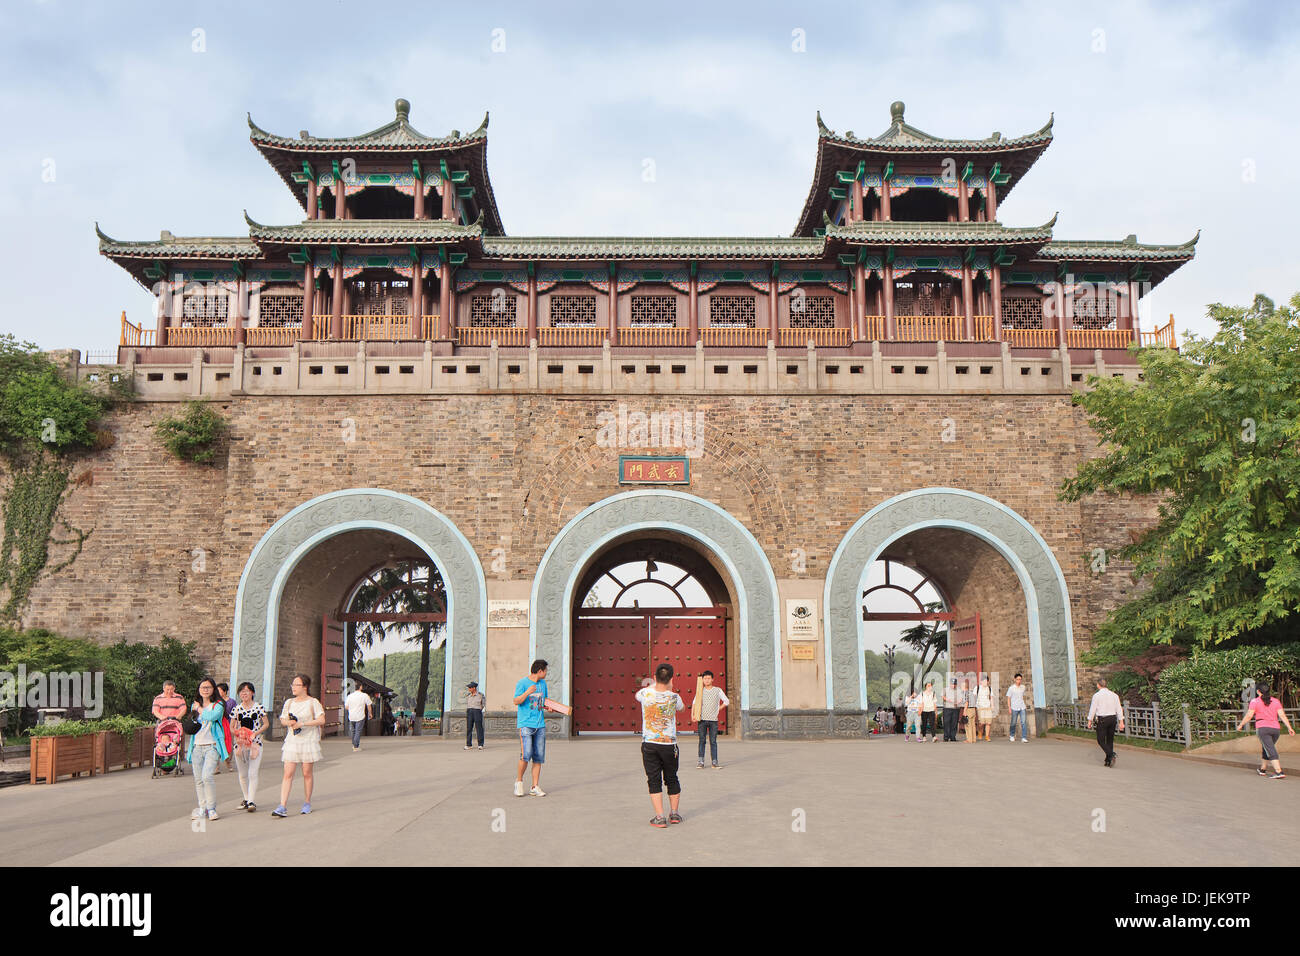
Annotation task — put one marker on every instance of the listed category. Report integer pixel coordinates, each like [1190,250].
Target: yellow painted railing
[485,337]
[1162,337]
[1099,338]
[584,336]
[1029,338]
[930,328]
[875,328]
[196,336]
[641,336]
[984,328]
[715,336]
[820,337]
[273,335]
[134,335]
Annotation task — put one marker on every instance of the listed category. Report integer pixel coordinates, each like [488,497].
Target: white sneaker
[1011,739]
[212,815]
[519,788]
[196,813]
[537,792]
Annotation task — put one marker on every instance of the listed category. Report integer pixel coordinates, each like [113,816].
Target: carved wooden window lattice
[385,298]
[732,311]
[654,310]
[818,312]
[925,298]
[276,310]
[573,310]
[205,307]
[1099,309]
[1022,312]
[496,310]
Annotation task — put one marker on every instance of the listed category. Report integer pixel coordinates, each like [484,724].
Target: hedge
[1212,680]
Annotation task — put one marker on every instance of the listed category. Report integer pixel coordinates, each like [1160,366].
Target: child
[712,699]
[913,722]
[659,706]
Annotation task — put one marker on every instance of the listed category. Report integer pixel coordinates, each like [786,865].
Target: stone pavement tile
[872,802]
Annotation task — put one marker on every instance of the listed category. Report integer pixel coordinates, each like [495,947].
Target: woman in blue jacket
[207,747]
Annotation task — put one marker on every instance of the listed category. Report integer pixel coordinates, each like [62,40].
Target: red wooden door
[692,644]
[967,649]
[330,693]
[609,661]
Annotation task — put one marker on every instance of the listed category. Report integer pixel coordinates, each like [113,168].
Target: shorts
[532,744]
[1268,742]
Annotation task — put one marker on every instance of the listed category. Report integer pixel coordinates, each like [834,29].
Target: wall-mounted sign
[801,619]
[803,652]
[636,470]
[508,613]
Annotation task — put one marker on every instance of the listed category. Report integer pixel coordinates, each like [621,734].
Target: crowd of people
[955,709]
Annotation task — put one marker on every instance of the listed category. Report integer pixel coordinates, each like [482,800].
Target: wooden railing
[930,328]
[505,337]
[1029,338]
[200,335]
[1162,337]
[798,338]
[984,329]
[638,336]
[1099,338]
[875,327]
[134,335]
[720,337]
[582,336]
[273,335]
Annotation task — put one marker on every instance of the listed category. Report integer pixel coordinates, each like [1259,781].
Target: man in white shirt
[659,707]
[1107,710]
[360,709]
[1016,700]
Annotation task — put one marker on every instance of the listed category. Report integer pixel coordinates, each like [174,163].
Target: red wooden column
[991,200]
[336,304]
[417,299]
[884,199]
[774,316]
[860,301]
[419,198]
[860,198]
[444,301]
[340,198]
[963,201]
[532,310]
[995,289]
[1133,313]
[693,312]
[1060,315]
[448,200]
[967,300]
[613,304]
[308,301]
[313,200]
[164,309]
[855,320]
[889,302]
[241,310]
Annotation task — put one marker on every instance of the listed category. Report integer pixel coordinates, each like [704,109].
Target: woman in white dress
[302,718]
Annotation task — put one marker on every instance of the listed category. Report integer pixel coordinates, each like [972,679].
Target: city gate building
[749,424]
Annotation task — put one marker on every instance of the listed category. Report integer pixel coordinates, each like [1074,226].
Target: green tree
[405,588]
[928,639]
[1214,431]
[39,406]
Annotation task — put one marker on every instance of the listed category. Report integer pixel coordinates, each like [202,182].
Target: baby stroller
[167,737]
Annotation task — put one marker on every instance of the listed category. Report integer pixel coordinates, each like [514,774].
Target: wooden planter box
[54,757]
[114,750]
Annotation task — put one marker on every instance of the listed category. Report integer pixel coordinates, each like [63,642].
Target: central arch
[632,512]
[1047,601]
[296,534]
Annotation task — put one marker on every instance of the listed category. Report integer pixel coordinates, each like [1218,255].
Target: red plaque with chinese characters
[635,470]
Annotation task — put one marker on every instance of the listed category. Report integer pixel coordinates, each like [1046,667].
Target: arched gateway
[1051,638]
[269,567]
[714,530]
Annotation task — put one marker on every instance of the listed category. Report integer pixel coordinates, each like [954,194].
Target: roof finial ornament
[896,111]
[403,110]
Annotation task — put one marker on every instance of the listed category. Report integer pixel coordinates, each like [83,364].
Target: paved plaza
[868,802]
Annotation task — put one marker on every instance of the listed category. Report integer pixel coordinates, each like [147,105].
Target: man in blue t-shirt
[530,699]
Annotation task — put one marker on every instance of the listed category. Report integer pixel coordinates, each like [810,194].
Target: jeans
[913,724]
[709,728]
[950,723]
[1023,716]
[532,744]
[473,719]
[203,761]
[356,726]
[927,723]
[248,766]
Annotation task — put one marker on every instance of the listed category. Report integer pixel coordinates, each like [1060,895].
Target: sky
[1170,117]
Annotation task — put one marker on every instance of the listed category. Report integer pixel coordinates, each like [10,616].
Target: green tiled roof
[940,233]
[397,135]
[606,248]
[168,246]
[1127,249]
[365,231]
[903,137]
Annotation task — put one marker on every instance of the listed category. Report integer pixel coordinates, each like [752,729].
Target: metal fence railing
[1153,723]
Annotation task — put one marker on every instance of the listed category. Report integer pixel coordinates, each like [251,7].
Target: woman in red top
[1267,711]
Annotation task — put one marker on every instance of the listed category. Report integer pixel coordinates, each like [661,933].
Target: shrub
[74,728]
[1211,680]
[194,435]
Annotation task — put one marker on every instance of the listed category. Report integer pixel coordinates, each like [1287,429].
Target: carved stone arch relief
[257,602]
[1051,636]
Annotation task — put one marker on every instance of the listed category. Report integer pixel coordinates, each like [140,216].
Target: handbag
[190,725]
